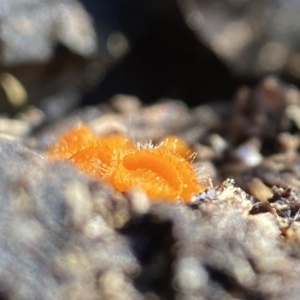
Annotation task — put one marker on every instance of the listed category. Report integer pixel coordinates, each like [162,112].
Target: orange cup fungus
[178,146]
[164,172]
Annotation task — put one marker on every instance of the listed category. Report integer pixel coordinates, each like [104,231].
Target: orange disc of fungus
[164,172]
[177,145]
[101,161]
[161,173]
[72,142]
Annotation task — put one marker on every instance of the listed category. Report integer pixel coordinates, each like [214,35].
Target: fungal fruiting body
[161,173]
[72,142]
[164,171]
[102,159]
[177,145]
